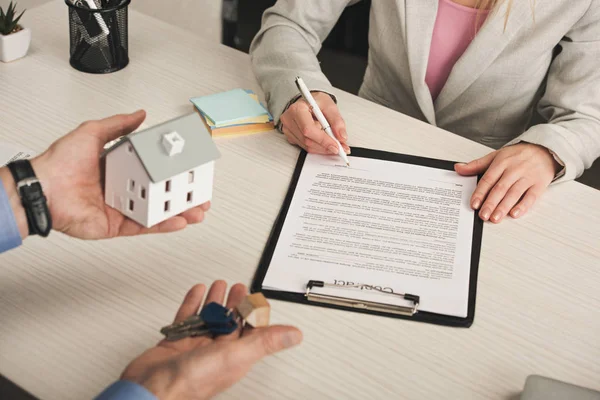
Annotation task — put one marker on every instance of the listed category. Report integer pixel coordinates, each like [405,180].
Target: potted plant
[14,39]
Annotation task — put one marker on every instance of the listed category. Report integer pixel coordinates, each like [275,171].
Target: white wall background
[203,17]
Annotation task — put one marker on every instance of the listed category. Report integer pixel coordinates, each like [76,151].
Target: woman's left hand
[516,177]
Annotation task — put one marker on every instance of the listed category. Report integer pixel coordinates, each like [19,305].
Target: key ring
[239,320]
[241,323]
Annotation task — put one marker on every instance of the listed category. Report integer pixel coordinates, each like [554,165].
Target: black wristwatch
[32,198]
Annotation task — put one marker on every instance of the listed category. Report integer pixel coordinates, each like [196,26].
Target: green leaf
[10,13]
[19,17]
[8,22]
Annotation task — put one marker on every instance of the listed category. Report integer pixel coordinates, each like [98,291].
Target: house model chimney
[173,143]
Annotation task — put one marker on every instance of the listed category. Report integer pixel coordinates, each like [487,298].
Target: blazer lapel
[487,45]
[420,19]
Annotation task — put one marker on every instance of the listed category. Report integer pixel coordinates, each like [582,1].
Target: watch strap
[32,198]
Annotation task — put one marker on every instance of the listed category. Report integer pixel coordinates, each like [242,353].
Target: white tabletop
[74,313]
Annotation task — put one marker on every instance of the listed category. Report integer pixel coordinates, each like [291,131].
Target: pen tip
[347,164]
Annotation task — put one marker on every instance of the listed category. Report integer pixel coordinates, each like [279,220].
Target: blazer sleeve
[571,103]
[287,44]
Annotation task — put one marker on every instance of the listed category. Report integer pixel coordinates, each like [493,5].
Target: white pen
[99,18]
[320,117]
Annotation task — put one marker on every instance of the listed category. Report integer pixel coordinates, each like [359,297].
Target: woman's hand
[516,177]
[301,128]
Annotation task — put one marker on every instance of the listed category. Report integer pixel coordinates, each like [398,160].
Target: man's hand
[516,177]
[69,172]
[200,367]
[301,128]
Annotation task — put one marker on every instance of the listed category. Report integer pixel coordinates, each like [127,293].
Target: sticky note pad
[254,120]
[229,107]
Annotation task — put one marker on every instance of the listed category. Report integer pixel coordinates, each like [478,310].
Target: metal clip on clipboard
[361,304]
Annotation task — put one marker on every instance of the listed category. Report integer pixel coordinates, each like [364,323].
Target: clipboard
[347,303]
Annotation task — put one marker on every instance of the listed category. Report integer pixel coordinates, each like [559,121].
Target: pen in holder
[99,35]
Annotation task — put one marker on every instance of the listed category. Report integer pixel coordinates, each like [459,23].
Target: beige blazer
[493,89]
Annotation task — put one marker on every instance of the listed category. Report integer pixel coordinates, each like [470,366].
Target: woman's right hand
[301,128]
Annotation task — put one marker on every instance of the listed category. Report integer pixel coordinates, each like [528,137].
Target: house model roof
[187,134]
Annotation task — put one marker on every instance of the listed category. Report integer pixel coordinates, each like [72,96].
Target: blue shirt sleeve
[10,237]
[125,390]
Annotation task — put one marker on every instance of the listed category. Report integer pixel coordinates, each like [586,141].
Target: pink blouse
[455,27]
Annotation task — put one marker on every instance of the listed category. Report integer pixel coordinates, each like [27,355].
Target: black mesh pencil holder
[99,42]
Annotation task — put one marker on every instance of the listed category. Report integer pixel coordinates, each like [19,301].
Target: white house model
[162,171]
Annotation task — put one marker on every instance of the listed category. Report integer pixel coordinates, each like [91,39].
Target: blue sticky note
[229,107]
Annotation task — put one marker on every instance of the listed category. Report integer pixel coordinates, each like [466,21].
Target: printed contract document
[400,227]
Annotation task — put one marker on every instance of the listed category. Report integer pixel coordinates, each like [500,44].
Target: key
[172,337]
[195,321]
[214,319]
[190,327]
[216,314]
[218,319]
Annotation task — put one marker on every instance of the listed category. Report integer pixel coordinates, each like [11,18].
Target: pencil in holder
[98,35]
